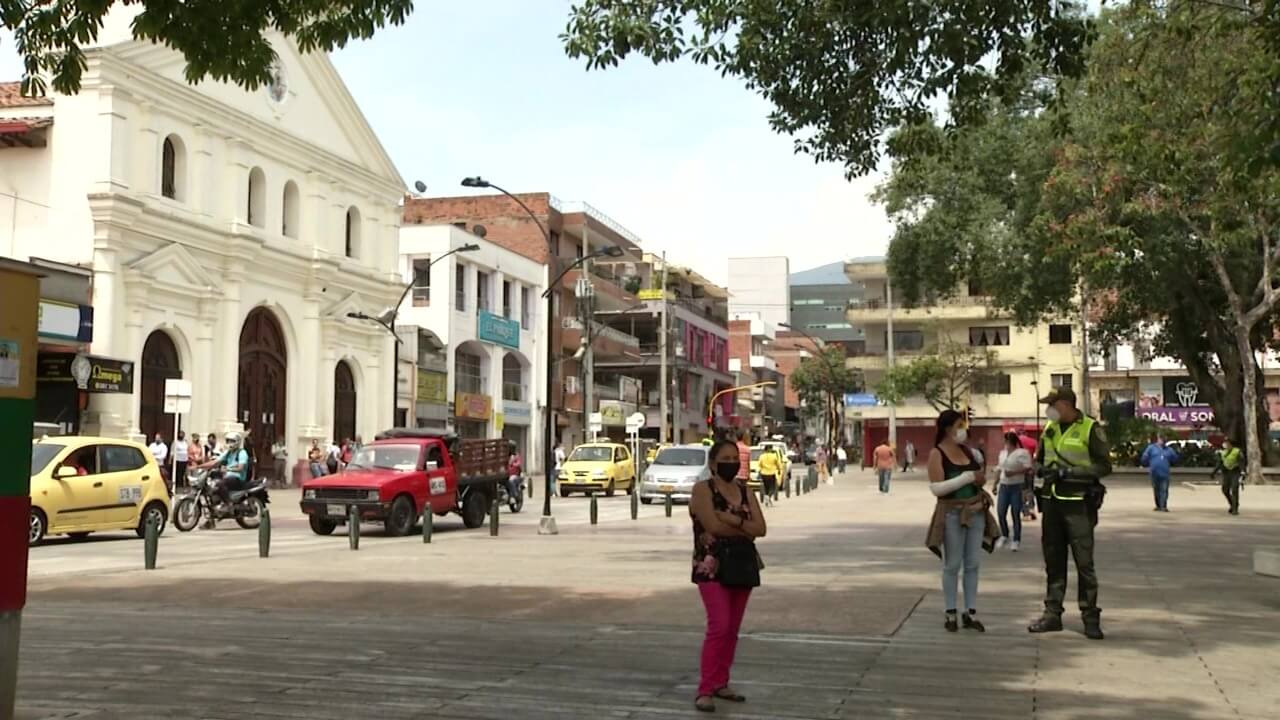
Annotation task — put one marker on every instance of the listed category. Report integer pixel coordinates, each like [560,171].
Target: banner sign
[65,322]
[860,400]
[89,372]
[433,387]
[498,330]
[1173,415]
[472,406]
[1182,392]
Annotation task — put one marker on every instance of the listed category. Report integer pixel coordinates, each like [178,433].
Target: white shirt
[1013,465]
[841,455]
[559,456]
[180,451]
[159,451]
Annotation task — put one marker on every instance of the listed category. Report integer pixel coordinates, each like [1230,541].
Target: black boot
[972,622]
[1046,624]
[1093,628]
[951,625]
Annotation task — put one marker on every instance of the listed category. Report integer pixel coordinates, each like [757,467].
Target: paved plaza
[601,621]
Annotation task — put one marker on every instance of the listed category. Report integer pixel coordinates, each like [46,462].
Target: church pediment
[174,266]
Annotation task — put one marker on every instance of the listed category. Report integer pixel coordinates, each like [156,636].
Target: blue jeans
[1010,499]
[962,547]
[1160,487]
[885,476]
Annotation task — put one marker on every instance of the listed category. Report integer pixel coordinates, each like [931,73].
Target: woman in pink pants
[726,521]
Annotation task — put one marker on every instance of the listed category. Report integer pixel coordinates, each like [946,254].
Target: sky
[677,154]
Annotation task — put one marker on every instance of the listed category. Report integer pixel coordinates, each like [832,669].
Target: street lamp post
[388,320]
[547,526]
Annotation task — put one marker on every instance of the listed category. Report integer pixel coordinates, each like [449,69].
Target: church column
[136,304]
[313,358]
[203,403]
[225,380]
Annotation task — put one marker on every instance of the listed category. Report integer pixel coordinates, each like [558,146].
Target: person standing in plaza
[180,458]
[1158,459]
[160,452]
[820,458]
[1014,463]
[280,461]
[195,451]
[744,456]
[908,456]
[885,462]
[1229,466]
[842,458]
[962,526]
[1029,444]
[727,520]
[1073,458]
[315,459]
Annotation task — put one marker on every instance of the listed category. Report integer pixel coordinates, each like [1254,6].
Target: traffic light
[968,415]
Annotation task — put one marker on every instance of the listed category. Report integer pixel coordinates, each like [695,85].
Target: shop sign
[1173,415]
[613,413]
[1182,392]
[860,400]
[433,387]
[65,322]
[650,294]
[89,372]
[517,413]
[498,330]
[472,406]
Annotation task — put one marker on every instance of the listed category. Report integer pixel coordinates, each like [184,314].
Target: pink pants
[725,608]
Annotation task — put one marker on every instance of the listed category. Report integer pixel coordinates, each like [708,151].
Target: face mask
[728,470]
[1052,414]
[962,435]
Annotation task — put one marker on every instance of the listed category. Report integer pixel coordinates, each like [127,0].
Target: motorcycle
[245,508]
[515,503]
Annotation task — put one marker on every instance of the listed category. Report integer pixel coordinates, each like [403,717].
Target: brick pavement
[600,622]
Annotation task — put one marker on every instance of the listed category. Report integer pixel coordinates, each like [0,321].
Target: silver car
[674,472]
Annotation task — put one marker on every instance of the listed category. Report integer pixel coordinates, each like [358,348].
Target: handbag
[738,564]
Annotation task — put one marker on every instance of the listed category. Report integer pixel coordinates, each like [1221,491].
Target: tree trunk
[1248,368]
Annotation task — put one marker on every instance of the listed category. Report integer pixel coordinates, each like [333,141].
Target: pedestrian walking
[820,457]
[770,469]
[1014,463]
[885,462]
[315,458]
[559,456]
[842,458]
[744,456]
[1158,459]
[280,461]
[908,456]
[1029,480]
[727,519]
[962,526]
[180,458]
[332,457]
[1230,467]
[1073,459]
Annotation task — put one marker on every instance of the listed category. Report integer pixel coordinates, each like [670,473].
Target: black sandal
[708,706]
[725,693]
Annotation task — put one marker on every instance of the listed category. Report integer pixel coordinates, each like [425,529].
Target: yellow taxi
[81,485]
[597,466]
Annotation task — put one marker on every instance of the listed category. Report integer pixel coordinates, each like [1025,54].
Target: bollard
[151,541]
[428,519]
[493,517]
[635,504]
[668,504]
[530,483]
[787,488]
[812,479]
[353,527]
[264,533]
[595,510]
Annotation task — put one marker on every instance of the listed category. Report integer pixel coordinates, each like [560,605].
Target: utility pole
[585,302]
[893,410]
[664,386]
[1084,351]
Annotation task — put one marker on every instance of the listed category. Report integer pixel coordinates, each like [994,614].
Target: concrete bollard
[493,517]
[353,527]
[668,502]
[595,510]
[428,520]
[635,503]
[264,533]
[787,484]
[150,543]
[812,479]
[529,482]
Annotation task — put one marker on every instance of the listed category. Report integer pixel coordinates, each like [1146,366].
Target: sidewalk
[602,622]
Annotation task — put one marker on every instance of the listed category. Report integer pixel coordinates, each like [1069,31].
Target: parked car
[395,477]
[674,471]
[598,466]
[82,485]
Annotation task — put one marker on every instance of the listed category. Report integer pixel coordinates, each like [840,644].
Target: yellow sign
[499,421]
[472,406]
[656,294]
[433,387]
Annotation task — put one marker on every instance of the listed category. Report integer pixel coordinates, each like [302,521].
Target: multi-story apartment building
[761,410]
[576,230]
[1024,362]
[820,300]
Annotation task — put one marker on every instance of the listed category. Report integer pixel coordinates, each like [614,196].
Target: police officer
[1073,458]
[1229,466]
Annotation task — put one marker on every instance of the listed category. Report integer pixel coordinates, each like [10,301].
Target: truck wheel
[608,492]
[321,526]
[474,509]
[401,519]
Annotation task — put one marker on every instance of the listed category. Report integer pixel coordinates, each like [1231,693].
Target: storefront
[65,380]
[65,330]
[471,412]
[432,399]
[514,422]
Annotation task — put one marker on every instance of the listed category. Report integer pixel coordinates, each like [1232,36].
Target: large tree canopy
[842,74]
[1140,193]
[220,39]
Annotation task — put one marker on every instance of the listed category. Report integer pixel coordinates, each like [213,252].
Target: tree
[945,378]
[821,382]
[1140,194]
[220,39]
[840,75]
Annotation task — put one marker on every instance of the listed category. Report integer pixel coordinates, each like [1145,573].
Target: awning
[24,132]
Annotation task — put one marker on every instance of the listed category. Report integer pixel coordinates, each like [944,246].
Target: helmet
[233,440]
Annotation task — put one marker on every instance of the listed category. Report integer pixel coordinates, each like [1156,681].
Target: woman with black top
[962,524]
[726,521]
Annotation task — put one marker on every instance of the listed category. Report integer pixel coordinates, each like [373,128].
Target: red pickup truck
[393,479]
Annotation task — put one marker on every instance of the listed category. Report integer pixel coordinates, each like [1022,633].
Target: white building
[761,285]
[229,233]
[485,303]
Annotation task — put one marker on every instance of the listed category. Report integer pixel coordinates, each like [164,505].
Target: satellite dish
[420,186]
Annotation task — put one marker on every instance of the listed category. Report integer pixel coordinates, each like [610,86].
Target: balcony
[875,311]
[764,361]
[607,343]
[610,295]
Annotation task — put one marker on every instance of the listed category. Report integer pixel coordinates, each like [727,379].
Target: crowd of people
[189,452]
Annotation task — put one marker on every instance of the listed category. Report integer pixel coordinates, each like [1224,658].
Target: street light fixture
[387,319]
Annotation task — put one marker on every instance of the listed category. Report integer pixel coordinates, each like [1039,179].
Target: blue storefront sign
[860,400]
[498,330]
[64,322]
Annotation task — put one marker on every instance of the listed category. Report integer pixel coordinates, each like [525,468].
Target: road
[600,622]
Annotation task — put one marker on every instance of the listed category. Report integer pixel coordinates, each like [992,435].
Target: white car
[674,471]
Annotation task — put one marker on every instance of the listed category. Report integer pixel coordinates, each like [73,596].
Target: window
[256,207]
[289,210]
[351,245]
[421,282]
[173,170]
[1061,380]
[807,301]
[506,299]
[467,370]
[1059,334]
[482,291]
[86,459]
[907,340]
[991,384]
[512,379]
[828,326]
[119,458]
[526,307]
[460,288]
[989,336]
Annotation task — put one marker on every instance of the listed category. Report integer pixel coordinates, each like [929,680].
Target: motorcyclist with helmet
[235,464]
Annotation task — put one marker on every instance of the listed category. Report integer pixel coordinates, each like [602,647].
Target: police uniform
[1073,457]
[1229,466]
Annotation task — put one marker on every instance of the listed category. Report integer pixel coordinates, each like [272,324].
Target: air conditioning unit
[572,385]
